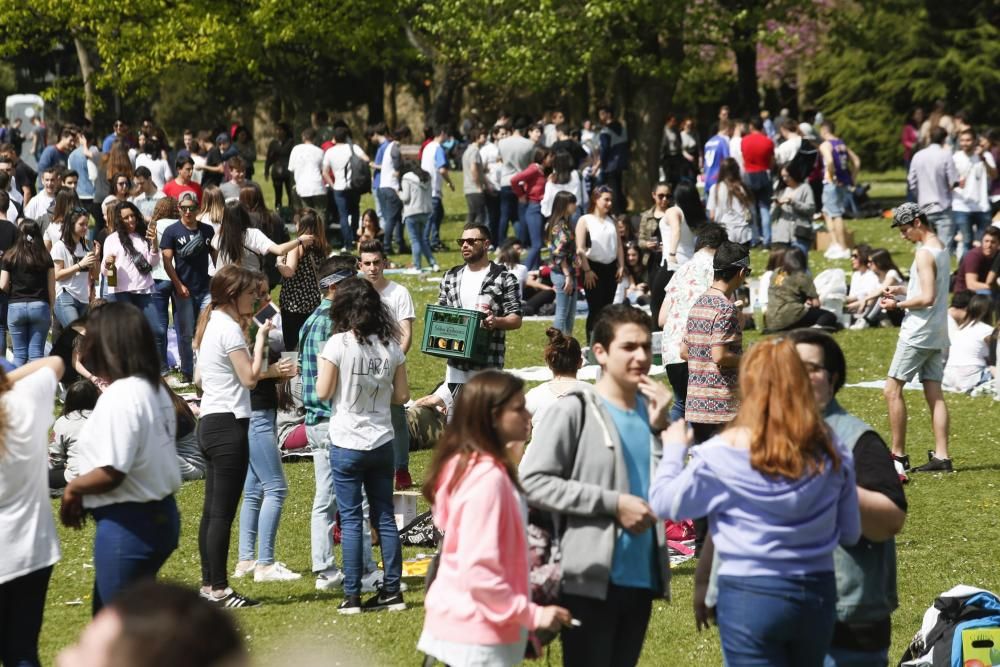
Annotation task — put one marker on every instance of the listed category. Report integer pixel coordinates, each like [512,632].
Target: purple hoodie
[761,525]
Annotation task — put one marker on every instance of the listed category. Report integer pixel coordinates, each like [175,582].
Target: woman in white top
[602,257]
[864,281]
[362,370]
[226,373]
[564,358]
[337,174]
[677,234]
[151,158]
[966,367]
[27,531]
[238,242]
[564,178]
[125,455]
[881,264]
[729,203]
[73,261]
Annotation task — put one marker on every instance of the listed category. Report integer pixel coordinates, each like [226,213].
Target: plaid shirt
[502,286]
[312,338]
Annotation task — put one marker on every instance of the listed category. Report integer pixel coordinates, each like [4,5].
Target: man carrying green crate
[480,284]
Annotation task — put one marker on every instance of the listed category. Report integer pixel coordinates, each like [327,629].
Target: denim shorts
[909,361]
[833,200]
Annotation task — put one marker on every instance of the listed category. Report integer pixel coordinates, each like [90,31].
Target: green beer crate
[455,333]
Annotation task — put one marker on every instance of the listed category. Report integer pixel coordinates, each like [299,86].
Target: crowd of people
[793,499]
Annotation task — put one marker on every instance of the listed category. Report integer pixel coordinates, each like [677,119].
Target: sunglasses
[78,211]
[469,241]
[188,209]
[663,196]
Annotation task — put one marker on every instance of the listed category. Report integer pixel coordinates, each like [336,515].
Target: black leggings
[282,183]
[225,442]
[600,295]
[612,630]
[291,324]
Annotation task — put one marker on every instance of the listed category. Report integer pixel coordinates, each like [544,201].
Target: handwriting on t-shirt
[370,366]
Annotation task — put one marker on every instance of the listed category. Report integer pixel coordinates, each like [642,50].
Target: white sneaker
[240,572]
[330,578]
[861,323]
[835,251]
[275,572]
[435,268]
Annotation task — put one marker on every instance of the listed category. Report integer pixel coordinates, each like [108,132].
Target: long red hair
[788,436]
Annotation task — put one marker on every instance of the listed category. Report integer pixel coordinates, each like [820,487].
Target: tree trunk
[87,73]
[446,92]
[376,97]
[745,49]
[647,111]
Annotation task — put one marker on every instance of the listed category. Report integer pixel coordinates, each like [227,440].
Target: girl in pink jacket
[478,608]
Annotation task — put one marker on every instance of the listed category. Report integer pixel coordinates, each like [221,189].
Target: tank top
[685,247]
[840,162]
[603,239]
[928,327]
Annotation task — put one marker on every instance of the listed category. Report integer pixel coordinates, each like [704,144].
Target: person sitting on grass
[888,274]
[967,366]
[792,301]
[81,397]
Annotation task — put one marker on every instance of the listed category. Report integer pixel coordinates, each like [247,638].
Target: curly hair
[358,308]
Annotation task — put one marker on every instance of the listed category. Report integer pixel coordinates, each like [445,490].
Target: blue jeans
[944,227]
[348,209]
[565,303]
[29,323]
[508,213]
[22,606]
[533,228]
[418,227]
[3,324]
[971,224]
[143,302]
[186,313]
[759,184]
[401,437]
[68,309]
[434,221]
[132,542]
[841,657]
[392,213]
[264,491]
[776,621]
[162,291]
[370,471]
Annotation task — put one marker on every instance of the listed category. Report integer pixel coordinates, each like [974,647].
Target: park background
[865,63]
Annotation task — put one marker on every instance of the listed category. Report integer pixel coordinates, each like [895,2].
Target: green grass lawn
[945,542]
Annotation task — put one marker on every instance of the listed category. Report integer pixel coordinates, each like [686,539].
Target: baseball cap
[906,214]
[336,277]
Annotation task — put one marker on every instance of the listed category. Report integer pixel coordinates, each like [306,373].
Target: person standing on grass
[866,572]
[592,464]
[434,161]
[300,293]
[780,493]
[27,531]
[480,284]
[397,299]
[933,177]
[362,370]
[840,171]
[227,374]
[479,608]
[600,253]
[923,336]
[474,182]
[126,455]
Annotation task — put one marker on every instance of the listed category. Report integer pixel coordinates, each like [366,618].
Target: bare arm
[400,386]
[51,274]
[168,266]
[406,335]
[4,280]
[248,371]
[289,264]
[827,152]
[55,363]
[674,220]
[881,518]
[326,379]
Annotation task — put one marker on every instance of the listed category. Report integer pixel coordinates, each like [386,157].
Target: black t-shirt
[875,471]
[265,395]
[8,232]
[212,159]
[25,175]
[571,147]
[28,284]
[63,347]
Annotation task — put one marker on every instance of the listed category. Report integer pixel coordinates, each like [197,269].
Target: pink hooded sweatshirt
[481,594]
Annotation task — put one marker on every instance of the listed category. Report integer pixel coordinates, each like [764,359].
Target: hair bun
[556,337]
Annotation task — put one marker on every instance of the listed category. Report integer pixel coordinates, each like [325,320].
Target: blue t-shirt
[716,150]
[51,157]
[193,270]
[634,561]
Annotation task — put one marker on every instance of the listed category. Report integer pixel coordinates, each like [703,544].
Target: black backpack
[359,175]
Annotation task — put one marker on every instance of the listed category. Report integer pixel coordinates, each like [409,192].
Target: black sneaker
[936,465]
[383,600]
[232,600]
[350,605]
[903,460]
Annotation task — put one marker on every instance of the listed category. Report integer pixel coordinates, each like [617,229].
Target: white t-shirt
[132,429]
[223,391]
[38,206]
[975,196]
[863,284]
[538,400]
[728,212]
[490,155]
[520,272]
[575,187]
[967,357]
[399,302]
[336,160]
[158,168]
[361,419]
[255,245]
[306,162]
[430,161]
[27,529]
[52,233]
[603,239]
[78,284]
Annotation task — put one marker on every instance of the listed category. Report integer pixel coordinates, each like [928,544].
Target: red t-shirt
[974,261]
[758,151]
[175,189]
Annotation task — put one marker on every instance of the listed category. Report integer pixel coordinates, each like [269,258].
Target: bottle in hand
[111,272]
